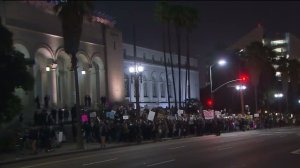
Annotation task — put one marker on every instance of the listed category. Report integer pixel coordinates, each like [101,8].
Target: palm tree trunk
[136,78]
[179,64]
[78,116]
[186,81]
[165,63]
[172,65]
[188,64]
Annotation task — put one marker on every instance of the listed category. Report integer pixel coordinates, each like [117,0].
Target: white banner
[180,112]
[256,115]
[218,114]
[208,114]
[125,117]
[151,116]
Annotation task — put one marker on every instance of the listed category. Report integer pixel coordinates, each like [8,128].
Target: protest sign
[208,114]
[151,116]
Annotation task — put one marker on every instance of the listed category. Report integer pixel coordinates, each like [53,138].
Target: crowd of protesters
[136,127]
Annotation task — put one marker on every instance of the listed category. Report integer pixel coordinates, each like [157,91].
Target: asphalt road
[272,148]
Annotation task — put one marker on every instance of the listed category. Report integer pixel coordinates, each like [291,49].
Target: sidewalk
[66,148]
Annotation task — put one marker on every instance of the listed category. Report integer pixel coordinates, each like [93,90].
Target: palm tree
[163,12]
[289,70]
[283,68]
[179,22]
[294,69]
[191,19]
[258,59]
[162,16]
[71,14]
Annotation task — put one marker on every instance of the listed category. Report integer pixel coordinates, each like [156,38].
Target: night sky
[220,22]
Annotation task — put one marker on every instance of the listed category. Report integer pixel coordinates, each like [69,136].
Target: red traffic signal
[244,78]
[209,102]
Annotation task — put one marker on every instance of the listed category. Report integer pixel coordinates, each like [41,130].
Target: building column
[53,86]
[88,89]
[71,89]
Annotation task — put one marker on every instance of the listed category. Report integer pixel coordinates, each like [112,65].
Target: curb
[74,152]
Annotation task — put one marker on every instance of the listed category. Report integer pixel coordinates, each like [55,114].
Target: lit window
[162,90]
[278,42]
[278,74]
[145,87]
[279,50]
[154,87]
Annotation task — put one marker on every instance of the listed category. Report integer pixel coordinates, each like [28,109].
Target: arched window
[126,84]
[170,87]
[145,86]
[162,88]
[154,87]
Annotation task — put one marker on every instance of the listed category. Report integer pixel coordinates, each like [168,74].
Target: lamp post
[136,72]
[241,88]
[221,63]
[278,96]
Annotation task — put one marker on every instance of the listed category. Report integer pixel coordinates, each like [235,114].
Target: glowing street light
[278,95]
[221,62]
[241,88]
[136,72]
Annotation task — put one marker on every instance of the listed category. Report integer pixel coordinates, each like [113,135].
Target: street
[274,148]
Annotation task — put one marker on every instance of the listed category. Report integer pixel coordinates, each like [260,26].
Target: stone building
[103,59]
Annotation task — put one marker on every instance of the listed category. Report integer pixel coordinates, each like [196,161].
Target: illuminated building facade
[103,59]
[153,86]
[285,45]
[37,34]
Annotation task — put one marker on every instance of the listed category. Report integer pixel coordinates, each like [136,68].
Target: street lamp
[241,88]
[221,62]
[136,72]
[278,96]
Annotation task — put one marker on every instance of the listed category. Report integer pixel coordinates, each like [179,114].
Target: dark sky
[220,22]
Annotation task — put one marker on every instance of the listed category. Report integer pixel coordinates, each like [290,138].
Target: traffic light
[209,102]
[244,78]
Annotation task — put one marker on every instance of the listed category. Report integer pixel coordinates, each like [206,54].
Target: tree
[162,17]
[283,68]
[191,20]
[257,58]
[163,12]
[294,70]
[289,73]
[178,18]
[13,67]
[71,14]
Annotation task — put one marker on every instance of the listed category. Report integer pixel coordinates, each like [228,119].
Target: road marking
[58,161]
[228,147]
[283,132]
[177,147]
[266,134]
[108,160]
[159,163]
[297,152]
